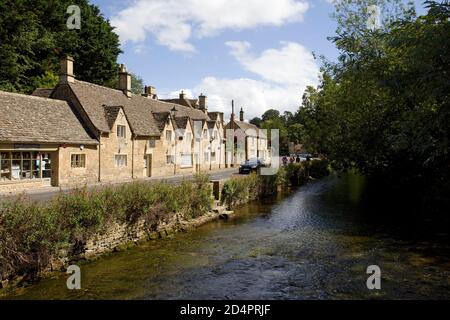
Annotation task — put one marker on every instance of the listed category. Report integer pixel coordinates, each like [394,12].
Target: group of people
[293,159]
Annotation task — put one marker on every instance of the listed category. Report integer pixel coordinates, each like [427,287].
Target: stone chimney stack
[182,95]
[66,73]
[202,100]
[232,111]
[125,81]
[241,115]
[150,92]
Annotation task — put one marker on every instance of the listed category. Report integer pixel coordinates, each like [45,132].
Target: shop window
[24,165]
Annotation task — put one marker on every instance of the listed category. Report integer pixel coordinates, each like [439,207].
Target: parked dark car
[251,165]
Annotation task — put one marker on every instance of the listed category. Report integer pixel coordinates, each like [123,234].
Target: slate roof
[161,119]
[111,113]
[181,122]
[138,109]
[191,103]
[42,92]
[244,126]
[211,124]
[31,119]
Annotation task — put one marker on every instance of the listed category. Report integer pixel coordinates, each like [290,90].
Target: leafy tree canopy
[34,35]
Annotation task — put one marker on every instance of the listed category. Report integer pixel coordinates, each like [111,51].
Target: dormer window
[121,131]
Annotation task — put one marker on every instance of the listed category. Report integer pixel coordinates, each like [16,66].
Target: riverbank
[82,225]
[313,242]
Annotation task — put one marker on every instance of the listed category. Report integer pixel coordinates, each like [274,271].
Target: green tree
[383,108]
[34,35]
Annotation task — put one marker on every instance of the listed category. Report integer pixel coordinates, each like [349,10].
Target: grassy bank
[240,190]
[32,235]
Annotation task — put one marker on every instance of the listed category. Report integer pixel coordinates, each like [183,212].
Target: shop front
[24,164]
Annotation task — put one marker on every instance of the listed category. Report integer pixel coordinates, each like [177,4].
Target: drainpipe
[99,157]
[132,155]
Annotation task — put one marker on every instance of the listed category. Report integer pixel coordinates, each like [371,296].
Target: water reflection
[316,243]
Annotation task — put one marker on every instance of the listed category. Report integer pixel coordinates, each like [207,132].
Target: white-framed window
[152,143]
[120,160]
[206,156]
[121,131]
[170,159]
[213,156]
[169,135]
[186,160]
[78,160]
[205,133]
[188,137]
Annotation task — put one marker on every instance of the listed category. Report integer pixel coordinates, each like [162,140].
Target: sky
[259,53]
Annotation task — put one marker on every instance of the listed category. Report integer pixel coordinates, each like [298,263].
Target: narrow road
[46,194]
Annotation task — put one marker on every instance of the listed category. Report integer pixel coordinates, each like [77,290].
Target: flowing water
[315,243]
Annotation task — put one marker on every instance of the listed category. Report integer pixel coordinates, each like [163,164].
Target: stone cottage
[101,134]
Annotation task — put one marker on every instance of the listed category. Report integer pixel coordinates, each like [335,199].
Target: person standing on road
[285,161]
[297,159]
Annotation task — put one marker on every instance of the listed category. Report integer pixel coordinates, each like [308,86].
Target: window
[121,131]
[188,137]
[206,156]
[213,157]
[120,160]
[151,143]
[24,165]
[205,134]
[169,135]
[186,160]
[78,161]
[170,159]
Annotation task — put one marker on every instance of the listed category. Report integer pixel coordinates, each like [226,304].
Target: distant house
[249,141]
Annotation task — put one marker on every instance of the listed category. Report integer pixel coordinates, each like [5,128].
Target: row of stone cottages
[81,133]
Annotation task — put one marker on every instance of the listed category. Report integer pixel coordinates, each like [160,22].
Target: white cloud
[284,73]
[293,64]
[175,22]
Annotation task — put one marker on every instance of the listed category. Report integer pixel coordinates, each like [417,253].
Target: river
[314,243]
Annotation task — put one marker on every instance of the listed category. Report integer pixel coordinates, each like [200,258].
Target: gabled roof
[181,122]
[211,124]
[244,126]
[161,119]
[215,115]
[33,119]
[93,97]
[111,113]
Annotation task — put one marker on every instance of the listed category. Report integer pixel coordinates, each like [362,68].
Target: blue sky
[257,52]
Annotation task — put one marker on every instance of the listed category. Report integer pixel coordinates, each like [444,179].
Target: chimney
[150,92]
[66,73]
[241,115]
[182,95]
[202,102]
[232,111]
[125,81]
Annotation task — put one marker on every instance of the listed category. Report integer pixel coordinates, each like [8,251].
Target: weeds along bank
[35,239]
